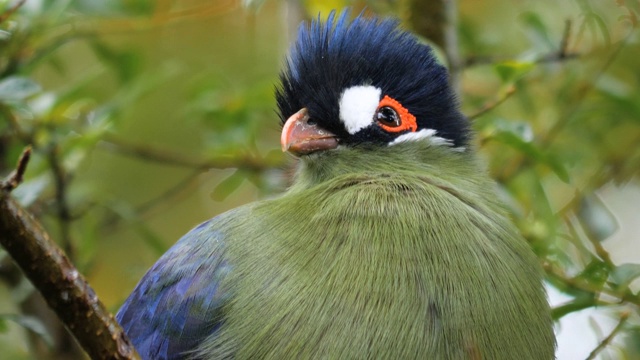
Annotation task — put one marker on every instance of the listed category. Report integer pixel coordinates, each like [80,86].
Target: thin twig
[549,136]
[168,197]
[62,207]
[4,16]
[562,54]
[15,178]
[52,273]
[564,119]
[566,36]
[150,153]
[493,104]
[606,341]
[623,295]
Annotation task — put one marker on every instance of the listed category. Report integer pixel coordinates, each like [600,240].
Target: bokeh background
[148,117]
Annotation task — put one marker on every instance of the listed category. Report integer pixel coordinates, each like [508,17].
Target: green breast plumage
[391,264]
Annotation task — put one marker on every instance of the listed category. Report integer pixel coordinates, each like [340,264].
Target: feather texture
[397,253]
[179,301]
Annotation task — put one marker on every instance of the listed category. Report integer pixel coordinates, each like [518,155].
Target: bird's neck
[440,162]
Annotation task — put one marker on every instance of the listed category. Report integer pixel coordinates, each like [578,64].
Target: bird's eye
[388,117]
[393,117]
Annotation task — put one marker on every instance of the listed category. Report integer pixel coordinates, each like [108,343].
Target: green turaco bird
[390,244]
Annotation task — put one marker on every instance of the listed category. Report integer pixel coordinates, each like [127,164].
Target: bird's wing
[179,301]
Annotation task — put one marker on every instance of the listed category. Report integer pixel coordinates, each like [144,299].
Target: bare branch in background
[146,152]
[563,119]
[4,16]
[606,341]
[63,213]
[493,104]
[64,288]
[562,54]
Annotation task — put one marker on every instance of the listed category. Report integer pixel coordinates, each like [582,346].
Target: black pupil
[387,116]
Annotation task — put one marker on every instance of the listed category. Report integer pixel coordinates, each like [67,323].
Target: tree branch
[606,341]
[51,272]
[4,16]
[150,153]
[15,178]
[493,104]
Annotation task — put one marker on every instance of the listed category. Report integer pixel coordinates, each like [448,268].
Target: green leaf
[537,29]
[595,273]
[29,191]
[125,63]
[153,240]
[31,323]
[17,88]
[5,35]
[602,26]
[624,274]
[596,218]
[228,186]
[578,304]
[510,71]
[533,152]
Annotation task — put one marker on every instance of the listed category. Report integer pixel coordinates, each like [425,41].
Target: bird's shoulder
[180,299]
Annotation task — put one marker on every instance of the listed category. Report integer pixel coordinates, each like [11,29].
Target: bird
[390,243]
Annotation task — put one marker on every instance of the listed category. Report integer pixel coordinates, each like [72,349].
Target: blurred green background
[148,117]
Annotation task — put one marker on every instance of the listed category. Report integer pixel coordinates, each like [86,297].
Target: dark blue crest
[330,56]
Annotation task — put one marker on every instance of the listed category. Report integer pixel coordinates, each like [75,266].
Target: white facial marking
[358,104]
[427,135]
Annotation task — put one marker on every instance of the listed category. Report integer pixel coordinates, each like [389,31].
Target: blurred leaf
[17,88]
[129,214]
[624,274]
[537,29]
[602,26]
[152,239]
[595,273]
[596,218]
[510,71]
[138,87]
[4,35]
[620,96]
[125,63]
[579,303]
[531,151]
[228,186]
[3,325]
[30,190]
[31,323]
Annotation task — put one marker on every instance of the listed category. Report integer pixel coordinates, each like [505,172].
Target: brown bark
[65,290]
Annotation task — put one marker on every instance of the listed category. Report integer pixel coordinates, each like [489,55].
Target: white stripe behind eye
[427,135]
[358,104]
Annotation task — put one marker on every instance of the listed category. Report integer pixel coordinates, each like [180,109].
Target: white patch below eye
[427,135]
[358,104]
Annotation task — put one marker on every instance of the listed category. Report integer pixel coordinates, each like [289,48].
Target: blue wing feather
[179,301]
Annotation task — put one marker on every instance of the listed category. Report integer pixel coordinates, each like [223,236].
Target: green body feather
[399,253]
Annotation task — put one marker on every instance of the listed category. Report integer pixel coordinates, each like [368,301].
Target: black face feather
[329,57]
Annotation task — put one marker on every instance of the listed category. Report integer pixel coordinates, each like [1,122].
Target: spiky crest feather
[331,56]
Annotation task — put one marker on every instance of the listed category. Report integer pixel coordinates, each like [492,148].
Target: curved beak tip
[301,138]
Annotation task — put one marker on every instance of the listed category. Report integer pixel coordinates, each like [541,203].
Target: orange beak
[301,138]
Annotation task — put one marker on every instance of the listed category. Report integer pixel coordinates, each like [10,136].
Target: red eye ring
[407,120]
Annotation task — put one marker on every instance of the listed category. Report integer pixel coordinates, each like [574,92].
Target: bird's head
[364,83]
